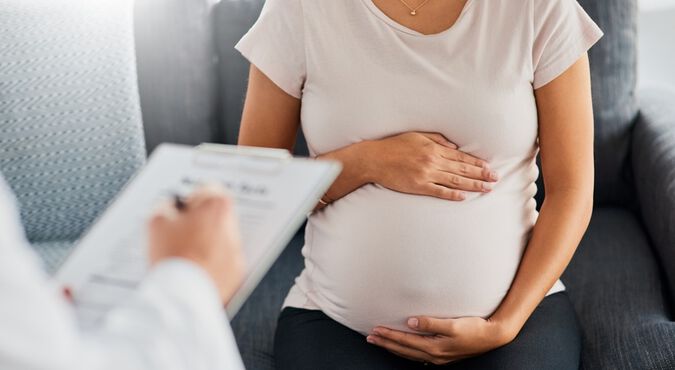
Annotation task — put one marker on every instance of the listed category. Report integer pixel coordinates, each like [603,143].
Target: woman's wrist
[356,171]
[506,326]
[365,155]
[357,161]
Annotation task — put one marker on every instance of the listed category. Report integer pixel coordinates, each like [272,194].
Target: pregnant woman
[428,250]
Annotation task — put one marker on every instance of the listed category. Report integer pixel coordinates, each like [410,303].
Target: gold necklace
[413,10]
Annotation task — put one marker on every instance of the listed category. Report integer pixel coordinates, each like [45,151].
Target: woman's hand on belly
[427,164]
[416,163]
[450,339]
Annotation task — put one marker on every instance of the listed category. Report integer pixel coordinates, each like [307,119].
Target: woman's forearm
[356,170]
[564,108]
[561,224]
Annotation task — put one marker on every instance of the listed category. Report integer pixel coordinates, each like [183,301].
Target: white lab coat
[175,321]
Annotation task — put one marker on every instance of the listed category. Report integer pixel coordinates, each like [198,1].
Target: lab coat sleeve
[174,322]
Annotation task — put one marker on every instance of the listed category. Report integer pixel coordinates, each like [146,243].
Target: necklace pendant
[414,12]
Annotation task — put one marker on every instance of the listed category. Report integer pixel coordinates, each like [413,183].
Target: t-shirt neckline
[384,17]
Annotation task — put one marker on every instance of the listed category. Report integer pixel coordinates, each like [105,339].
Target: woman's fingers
[439,139]
[460,171]
[459,156]
[426,163]
[466,165]
[458,182]
[443,192]
[401,350]
[468,170]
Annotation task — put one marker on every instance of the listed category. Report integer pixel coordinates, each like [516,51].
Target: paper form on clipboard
[272,191]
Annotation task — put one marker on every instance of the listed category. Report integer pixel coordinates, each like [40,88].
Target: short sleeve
[563,32]
[276,46]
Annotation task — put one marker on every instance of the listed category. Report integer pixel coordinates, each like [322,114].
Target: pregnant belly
[377,257]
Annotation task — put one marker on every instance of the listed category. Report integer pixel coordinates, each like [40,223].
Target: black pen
[179,202]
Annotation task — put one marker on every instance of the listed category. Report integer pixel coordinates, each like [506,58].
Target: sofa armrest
[654,168]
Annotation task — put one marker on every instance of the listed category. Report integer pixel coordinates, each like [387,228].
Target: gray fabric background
[192,81]
[654,164]
[232,20]
[177,71]
[70,124]
[616,285]
[614,76]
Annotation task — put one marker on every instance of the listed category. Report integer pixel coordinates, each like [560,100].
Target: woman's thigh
[550,339]
[310,340]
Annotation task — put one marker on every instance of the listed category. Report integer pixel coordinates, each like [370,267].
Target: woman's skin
[429,164]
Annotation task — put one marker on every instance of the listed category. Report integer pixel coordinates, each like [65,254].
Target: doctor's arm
[177,320]
[174,322]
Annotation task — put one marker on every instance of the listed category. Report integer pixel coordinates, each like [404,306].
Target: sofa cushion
[70,126]
[256,322]
[616,286]
[177,71]
[614,74]
[654,166]
[232,21]
[53,253]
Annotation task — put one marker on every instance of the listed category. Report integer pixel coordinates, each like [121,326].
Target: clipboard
[273,193]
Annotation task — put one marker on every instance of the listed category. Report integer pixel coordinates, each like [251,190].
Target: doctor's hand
[205,231]
[427,164]
[449,340]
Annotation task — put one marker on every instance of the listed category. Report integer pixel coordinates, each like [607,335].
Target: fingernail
[494,176]
[370,339]
[68,293]
[413,322]
[487,187]
[462,196]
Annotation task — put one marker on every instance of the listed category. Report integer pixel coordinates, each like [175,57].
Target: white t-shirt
[376,256]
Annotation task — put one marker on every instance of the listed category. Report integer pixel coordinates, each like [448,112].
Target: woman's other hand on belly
[447,340]
[427,164]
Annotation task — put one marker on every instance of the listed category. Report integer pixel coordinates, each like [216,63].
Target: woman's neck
[434,17]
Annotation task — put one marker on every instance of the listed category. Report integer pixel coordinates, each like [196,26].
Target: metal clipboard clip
[246,159]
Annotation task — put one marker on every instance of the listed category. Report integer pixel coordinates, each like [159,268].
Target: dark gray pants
[310,340]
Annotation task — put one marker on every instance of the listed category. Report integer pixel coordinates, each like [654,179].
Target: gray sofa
[192,83]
